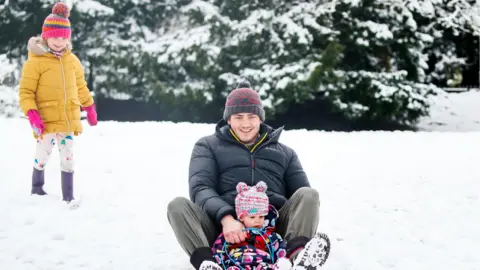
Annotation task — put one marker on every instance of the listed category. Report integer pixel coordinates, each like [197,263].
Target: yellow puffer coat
[55,87]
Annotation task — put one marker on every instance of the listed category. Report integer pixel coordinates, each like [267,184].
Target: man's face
[246,126]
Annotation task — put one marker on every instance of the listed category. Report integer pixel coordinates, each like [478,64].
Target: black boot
[295,245]
[202,259]
[38,180]
[67,186]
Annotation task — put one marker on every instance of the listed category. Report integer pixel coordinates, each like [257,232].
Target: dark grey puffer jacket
[219,162]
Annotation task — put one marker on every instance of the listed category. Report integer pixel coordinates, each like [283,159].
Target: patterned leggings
[45,146]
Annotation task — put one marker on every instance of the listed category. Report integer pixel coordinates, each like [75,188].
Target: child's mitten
[91,115]
[36,122]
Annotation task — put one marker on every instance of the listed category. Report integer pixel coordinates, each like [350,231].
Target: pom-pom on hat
[251,200]
[57,24]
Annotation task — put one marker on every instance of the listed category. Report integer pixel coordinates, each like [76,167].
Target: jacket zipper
[65,94]
[253,169]
[252,160]
[252,154]
[257,146]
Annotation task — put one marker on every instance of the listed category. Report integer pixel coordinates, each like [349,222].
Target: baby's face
[253,221]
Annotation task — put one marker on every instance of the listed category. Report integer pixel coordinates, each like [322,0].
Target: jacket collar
[38,47]
[222,130]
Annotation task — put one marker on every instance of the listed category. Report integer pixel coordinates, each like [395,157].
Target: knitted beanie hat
[243,100]
[57,24]
[251,200]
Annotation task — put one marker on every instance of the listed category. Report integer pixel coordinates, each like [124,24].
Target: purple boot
[67,186]
[38,180]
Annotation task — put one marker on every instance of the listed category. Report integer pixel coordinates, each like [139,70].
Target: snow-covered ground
[389,200]
[458,112]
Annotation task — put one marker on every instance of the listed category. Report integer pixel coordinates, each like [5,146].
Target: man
[244,149]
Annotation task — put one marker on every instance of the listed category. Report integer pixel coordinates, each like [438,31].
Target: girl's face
[253,221]
[57,44]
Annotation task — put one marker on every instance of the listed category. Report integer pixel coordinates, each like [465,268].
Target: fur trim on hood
[38,46]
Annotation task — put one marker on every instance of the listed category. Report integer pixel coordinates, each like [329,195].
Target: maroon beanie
[243,100]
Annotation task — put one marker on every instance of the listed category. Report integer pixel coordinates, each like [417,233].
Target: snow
[361,41]
[119,95]
[7,67]
[292,29]
[415,209]
[390,200]
[458,112]
[208,9]
[8,102]
[252,25]
[5,3]
[8,91]
[381,31]
[92,7]
[173,43]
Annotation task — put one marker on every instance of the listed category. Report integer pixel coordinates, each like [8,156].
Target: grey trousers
[194,229]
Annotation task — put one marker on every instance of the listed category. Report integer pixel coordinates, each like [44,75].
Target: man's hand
[232,230]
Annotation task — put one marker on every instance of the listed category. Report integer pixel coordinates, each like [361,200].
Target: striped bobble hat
[57,24]
[251,200]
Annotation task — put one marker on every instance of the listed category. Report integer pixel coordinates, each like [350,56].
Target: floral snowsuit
[260,251]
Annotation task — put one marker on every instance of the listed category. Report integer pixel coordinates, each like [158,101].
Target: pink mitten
[91,115]
[36,122]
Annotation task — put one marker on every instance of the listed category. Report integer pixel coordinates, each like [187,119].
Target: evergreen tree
[371,60]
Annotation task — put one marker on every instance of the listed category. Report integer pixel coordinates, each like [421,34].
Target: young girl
[52,90]
[264,249]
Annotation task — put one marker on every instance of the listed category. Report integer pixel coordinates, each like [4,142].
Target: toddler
[263,249]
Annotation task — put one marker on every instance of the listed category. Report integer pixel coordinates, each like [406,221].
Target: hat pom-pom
[243,84]
[242,187]
[261,186]
[61,9]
